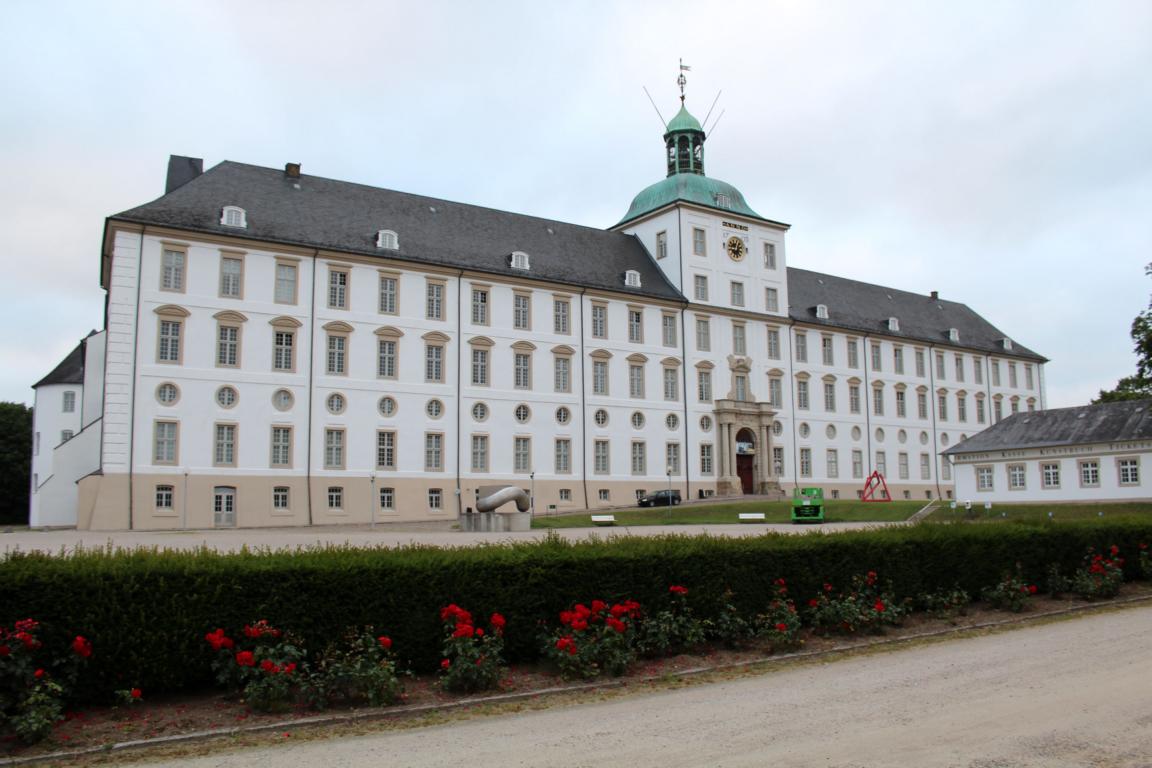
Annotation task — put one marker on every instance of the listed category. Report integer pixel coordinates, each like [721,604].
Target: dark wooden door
[744,470]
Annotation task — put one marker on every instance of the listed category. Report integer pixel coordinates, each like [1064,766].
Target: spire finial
[681,80]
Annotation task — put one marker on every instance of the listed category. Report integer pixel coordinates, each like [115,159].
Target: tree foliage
[1139,385]
[15,461]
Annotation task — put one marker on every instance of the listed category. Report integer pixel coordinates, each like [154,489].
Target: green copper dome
[683,122]
[689,188]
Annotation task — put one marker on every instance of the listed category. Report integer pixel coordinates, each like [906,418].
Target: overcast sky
[1000,153]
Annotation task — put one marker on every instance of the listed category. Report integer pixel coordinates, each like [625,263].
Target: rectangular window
[388,295]
[600,457]
[434,301]
[522,371]
[919,355]
[231,274]
[706,465]
[66,435]
[737,293]
[769,255]
[1012,375]
[959,367]
[995,368]
[671,384]
[434,363]
[1028,376]
[386,358]
[385,449]
[700,287]
[773,344]
[704,386]
[878,402]
[901,404]
[562,374]
[337,289]
[961,408]
[699,247]
[898,359]
[479,453]
[739,343]
[281,447]
[802,394]
[857,464]
[168,343]
[1050,475]
[940,369]
[479,306]
[435,499]
[668,328]
[877,358]
[600,377]
[805,462]
[522,454]
[283,343]
[741,387]
[984,479]
[882,462]
[335,497]
[433,452]
[280,498]
[563,456]
[925,467]
[69,402]
[337,355]
[565,494]
[801,347]
[775,392]
[560,322]
[521,311]
[832,462]
[479,367]
[1016,477]
[672,458]
[827,351]
[1129,471]
[942,407]
[977,370]
[388,498]
[599,321]
[853,353]
[902,465]
[636,326]
[172,271]
[703,334]
[854,398]
[164,442]
[661,245]
[980,417]
[333,449]
[224,448]
[639,458]
[771,300]
[829,396]
[636,381]
[285,290]
[228,346]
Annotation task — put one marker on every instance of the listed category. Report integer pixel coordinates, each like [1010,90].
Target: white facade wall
[49,422]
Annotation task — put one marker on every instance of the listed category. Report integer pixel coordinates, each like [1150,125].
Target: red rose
[497,621]
[579,625]
[813,603]
[464,630]
[1032,589]
[616,624]
[136,693]
[582,610]
[1115,550]
[566,617]
[385,642]
[289,668]
[871,577]
[38,674]
[827,587]
[780,582]
[445,663]
[781,627]
[879,606]
[246,659]
[678,590]
[268,666]
[618,610]
[479,632]
[5,650]
[82,647]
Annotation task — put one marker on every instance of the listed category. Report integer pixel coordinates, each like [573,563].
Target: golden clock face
[736,249]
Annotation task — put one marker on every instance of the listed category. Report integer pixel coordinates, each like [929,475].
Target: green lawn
[717,513]
[1039,512]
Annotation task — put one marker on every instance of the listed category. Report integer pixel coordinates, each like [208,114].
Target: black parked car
[660,499]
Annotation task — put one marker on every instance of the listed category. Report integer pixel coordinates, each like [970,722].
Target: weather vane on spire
[681,80]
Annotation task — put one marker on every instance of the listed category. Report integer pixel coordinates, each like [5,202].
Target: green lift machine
[808,505]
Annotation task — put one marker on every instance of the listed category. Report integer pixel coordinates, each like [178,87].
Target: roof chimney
[182,170]
[292,170]
[935,295]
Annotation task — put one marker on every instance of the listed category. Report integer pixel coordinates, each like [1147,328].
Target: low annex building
[1092,453]
[286,349]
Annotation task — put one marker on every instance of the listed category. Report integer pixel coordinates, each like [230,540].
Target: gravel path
[1071,693]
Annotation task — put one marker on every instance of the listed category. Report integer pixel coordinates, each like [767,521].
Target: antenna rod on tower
[709,134]
[663,122]
[713,106]
[681,80]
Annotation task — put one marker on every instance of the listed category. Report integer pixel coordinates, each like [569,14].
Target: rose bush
[594,639]
[35,680]
[473,659]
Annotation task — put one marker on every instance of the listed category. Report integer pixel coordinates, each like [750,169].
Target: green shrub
[1011,593]
[672,630]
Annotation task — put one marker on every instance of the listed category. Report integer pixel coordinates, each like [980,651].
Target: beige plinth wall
[732,416]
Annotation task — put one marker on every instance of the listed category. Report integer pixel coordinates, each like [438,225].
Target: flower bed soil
[164,719]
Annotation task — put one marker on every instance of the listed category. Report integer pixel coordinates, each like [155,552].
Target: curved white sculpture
[503,496]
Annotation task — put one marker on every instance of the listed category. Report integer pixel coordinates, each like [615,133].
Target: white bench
[751,517]
[603,519]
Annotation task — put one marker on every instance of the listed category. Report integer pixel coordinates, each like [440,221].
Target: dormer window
[894,324]
[953,334]
[519,260]
[1007,343]
[386,238]
[632,278]
[233,216]
[723,201]
[822,311]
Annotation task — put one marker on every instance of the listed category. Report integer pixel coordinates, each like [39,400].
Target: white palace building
[282,349]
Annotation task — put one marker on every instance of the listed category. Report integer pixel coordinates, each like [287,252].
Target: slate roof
[1083,425]
[316,212]
[69,371]
[863,307]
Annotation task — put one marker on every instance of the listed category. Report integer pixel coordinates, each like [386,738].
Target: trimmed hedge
[147,611]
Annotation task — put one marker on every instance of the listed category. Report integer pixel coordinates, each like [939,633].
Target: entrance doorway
[224,507]
[746,460]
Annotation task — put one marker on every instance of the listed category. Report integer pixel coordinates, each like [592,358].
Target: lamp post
[668,506]
[532,495]
[372,502]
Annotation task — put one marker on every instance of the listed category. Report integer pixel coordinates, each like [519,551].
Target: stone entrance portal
[745,448]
